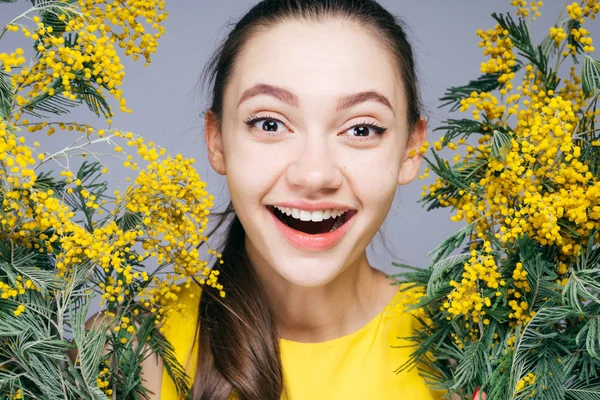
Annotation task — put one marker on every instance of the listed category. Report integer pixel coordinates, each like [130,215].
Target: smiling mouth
[312,227]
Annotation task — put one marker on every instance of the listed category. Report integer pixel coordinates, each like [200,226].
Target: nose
[315,167]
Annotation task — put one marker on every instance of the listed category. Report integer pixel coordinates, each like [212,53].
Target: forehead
[317,60]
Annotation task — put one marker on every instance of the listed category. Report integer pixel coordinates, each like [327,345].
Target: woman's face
[314,123]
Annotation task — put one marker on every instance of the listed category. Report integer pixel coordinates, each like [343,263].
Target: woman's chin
[309,273]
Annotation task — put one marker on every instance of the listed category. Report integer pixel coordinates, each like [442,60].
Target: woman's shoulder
[398,312]
[188,291]
[403,322]
[179,328]
[182,307]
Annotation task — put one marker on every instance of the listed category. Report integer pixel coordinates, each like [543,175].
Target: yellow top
[356,366]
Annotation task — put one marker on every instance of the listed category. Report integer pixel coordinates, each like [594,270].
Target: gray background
[166,104]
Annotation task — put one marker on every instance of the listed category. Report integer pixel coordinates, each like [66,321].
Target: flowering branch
[518,307]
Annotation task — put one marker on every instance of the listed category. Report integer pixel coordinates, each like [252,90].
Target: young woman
[315,108]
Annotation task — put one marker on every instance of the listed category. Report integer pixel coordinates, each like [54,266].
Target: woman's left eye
[361,131]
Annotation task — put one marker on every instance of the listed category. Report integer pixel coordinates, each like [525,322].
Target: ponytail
[238,343]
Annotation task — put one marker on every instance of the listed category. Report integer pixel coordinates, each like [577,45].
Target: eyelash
[379,130]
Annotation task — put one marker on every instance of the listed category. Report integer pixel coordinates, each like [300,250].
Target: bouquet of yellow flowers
[65,241]
[516,311]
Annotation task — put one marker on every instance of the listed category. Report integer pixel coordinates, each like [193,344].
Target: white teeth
[315,216]
[305,215]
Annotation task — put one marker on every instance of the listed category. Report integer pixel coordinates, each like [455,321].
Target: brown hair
[238,339]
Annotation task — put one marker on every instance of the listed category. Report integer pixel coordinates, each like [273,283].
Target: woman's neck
[338,308]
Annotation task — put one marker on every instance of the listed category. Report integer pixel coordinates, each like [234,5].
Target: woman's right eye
[267,124]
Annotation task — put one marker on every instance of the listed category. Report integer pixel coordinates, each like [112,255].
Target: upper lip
[322,205]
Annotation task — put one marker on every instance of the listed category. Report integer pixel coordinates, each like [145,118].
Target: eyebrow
[290,98]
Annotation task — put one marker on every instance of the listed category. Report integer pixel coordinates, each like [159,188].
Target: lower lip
[306,241]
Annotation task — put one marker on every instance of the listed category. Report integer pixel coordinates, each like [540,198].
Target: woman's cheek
[253,173]
[373,176]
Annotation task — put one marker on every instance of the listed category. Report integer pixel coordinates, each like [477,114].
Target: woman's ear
[409,169]
[214,142]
